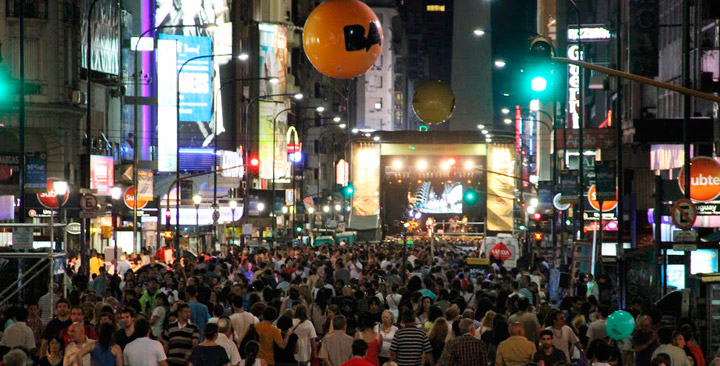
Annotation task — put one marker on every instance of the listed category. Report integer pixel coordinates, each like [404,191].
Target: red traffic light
[538,236]
[537,216]
[254,162]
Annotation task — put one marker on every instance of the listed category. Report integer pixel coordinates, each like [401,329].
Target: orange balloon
[433,102]
[342,38]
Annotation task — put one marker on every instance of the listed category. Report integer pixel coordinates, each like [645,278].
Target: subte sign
[684,214]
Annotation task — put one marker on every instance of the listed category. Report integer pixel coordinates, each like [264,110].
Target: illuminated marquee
[573,104]
[597,33]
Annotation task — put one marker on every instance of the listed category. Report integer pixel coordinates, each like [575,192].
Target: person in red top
[689,334]
[359,350]
[77,316]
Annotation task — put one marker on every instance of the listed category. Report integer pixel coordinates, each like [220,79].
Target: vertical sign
[366,179]
[500,188]
[569,186]
[605,180]
[167,101]
[196,78]
[273,59]
[102,173]
[573,104]
[35,172]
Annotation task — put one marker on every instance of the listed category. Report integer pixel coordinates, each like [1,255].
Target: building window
[36,9]
[375,82]
[440,8]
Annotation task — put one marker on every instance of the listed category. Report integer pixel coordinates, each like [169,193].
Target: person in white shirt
[143,351]
[19,334]
[563,336]
[225,333]
[306,334]
[47,303]
[596,329]
[678,357]
[77,335]
[240,319]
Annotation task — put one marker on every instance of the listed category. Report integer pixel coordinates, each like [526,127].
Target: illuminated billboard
[102,174]
[167,101]
[273,59]
[500,188]
[366,179]
[105,36]
[195,84]
[439,198]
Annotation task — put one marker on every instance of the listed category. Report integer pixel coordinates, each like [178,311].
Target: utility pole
[21,116]
[686,109]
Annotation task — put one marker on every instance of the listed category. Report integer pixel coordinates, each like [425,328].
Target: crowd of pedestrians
[360,305]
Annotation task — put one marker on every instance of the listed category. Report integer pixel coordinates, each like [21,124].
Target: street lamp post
[177,137]
[136,141]
[260,209]
[319,109]
[116,193]
[233,206]
[246,204]
[61,188]
[197,199]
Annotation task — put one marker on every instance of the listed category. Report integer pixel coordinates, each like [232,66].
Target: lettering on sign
[704,179]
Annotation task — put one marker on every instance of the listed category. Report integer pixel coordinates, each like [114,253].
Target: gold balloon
[433,102]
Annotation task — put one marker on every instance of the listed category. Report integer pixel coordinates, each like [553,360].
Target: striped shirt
[409,345]
[180,342]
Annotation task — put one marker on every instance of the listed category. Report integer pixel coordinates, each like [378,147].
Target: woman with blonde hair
[486,324]
[437,336]
[386,330]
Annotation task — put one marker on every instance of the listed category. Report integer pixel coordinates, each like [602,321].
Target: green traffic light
[299,229]
[347,191]
[470,197]
[538,84]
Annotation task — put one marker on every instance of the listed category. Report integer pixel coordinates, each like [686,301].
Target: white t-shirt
[386,340]
[230,348]
[160,313]
[563,338]
[143,352]
[240,323]
[305,332]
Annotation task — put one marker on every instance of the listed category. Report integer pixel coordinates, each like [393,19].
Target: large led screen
[436,198]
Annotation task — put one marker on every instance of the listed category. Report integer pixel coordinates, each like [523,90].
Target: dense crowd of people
[360,305]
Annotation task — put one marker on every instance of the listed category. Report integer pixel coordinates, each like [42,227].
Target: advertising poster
[35,172]
[605,180]
[102,174]
[198,88]
[366,179]
[167,101]
[196,77]
[273,60]
[105,36]
[145,182]
[504,248]
[500,188]
[569,186]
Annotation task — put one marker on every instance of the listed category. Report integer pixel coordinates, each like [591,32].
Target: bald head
[517,329]
[224,326]
[77,333]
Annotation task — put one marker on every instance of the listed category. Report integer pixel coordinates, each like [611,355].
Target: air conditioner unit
[79,97]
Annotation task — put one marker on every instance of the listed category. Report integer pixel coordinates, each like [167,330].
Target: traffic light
[541,74]
[167,216]
[299,228]
[537,216]
[348,190]
[8,88]
[470,196]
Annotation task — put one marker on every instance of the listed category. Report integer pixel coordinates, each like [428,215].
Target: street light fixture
[243,56]
[507,121]
[500,64]
[338,207]
[478,32]
[342,125]
[326,209]
[320,109]
[233,206]
[505,111]
[273,80]
[60,187]
[484,132]
[311,210]
[196,200]
[336,119]
[376,138]
[298,96]
[481,127]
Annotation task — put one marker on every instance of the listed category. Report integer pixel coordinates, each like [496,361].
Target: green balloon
[619,325]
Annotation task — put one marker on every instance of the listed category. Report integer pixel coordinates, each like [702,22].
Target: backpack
[251,335]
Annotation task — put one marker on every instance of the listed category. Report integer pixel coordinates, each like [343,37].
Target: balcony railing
[33,9]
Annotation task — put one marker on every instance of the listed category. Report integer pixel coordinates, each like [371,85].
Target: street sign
[22,238]
[685,236]
[683,214]
[685,247]
[73,228]
[88,202]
